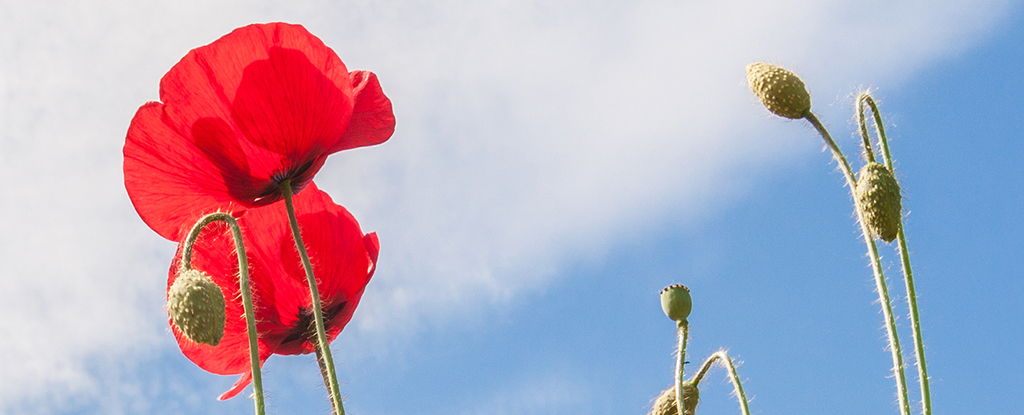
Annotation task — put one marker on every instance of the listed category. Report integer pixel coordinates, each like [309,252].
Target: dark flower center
[304,330]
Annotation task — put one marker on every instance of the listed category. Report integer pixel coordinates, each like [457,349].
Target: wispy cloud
[528,132]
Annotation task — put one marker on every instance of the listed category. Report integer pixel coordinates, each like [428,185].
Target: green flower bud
[196,306]
[878,194]
[666,402]
[781,91]
[676,302]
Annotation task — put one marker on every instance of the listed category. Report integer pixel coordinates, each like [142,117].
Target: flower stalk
[323,347]
[243,288]
[908,275]
[684,332]
[723,359]
[876,267]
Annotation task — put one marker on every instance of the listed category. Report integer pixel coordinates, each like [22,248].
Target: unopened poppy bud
[878,194]
[676,302]
[781,91]
[666,402]
[196,306]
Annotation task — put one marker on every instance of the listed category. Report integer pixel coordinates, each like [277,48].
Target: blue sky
[556,164]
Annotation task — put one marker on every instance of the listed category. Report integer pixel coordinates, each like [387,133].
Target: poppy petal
[373,120]
[213,254]
[237,388]
[286,94]
[263,104]
[172,183]
[340,258]
[372,248]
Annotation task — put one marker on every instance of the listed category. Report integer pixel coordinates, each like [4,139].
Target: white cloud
[528,132]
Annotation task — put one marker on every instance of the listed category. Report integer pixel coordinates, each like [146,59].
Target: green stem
[876,267]
[314,293]
[243,288]
[868,151]
[879,129]
[908,274]
[684,332]
[724,359]
[322,364]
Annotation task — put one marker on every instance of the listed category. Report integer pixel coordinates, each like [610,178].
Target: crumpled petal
[373,120]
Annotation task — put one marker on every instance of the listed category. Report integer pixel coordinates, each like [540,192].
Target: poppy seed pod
[676,302]
[666,402]
[878,194]
[196,306]
[781,91]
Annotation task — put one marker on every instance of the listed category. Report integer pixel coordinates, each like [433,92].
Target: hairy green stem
[243,288]
[684,332]
[908,274]
[869,153]
[314,293]
[324,373]
[876,267]
[723,358]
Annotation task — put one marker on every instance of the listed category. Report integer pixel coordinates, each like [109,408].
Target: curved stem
[879,129]
[724,359]
[314,293]
[876,267]
[684,332]
[836,152]
[908,274]
[243,288]
[868,151]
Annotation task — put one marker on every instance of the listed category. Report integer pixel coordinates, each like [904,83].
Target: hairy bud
[666,402]
[781,91]
[878,194]
[196,306]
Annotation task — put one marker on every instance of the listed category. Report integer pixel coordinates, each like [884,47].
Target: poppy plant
[263,105]
[343,258]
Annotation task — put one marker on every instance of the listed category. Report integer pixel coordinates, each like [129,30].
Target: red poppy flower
[343,261]
[263,104]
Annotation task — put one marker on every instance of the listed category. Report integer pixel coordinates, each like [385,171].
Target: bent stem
[876,267]
[684,332]
[314,293]
[908,274]
[243,288]
[723,358]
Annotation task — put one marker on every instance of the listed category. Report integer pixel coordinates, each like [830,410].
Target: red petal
[373,249]
[172,182]
[277,84]
[262,104]
[373,121]
[213,254]
[341,264]
[237,388]
[343,261]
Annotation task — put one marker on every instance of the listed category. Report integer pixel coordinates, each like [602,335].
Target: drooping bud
[676,302]
[781,91]
[666,402]
[196,306]
[878,194]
